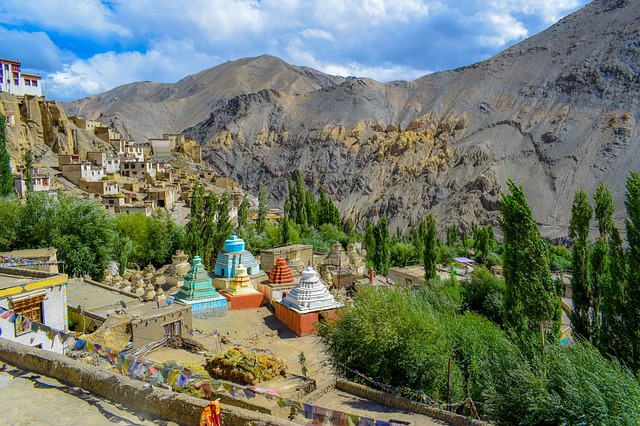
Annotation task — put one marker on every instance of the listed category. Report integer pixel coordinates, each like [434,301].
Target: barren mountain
[555,112]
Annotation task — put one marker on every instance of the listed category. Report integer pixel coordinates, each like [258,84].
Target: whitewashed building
[18,83]
[33,298]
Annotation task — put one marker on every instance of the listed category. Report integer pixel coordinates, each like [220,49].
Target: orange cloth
[211,415]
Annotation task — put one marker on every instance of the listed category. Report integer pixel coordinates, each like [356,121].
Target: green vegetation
[6,177]
[531,300]
[405,338]
[581,215]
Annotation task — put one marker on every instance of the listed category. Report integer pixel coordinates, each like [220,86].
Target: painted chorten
[281,274]
[199,293]
[241,294]
[304,306]
[232,255]
[310,295]
[280,281]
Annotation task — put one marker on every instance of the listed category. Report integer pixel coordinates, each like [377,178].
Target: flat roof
[94,297]
[150,309]
[8,281]
[30,253]
[15,280]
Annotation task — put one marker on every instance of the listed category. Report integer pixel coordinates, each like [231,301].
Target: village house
[39,298]
[139,169]
[164,195]
[101,187]
[111,165]
[18,83]
[128,149]
[40,259]
[143,322]
[41,183]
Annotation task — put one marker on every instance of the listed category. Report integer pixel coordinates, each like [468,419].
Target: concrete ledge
[406,404]
[158,403]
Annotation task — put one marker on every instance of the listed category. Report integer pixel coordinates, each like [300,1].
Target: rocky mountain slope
[555,112]
[42,126]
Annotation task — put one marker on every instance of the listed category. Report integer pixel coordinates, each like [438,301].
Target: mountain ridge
[555,112]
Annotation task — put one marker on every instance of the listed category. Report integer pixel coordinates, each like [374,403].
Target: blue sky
[84,47]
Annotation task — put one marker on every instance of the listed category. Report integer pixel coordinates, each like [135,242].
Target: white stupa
[310,295]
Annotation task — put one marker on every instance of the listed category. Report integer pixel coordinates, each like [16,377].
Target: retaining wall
[406,404]
[158,403]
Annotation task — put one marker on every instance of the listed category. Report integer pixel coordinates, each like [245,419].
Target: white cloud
[70,17]
[316,33]
[384,39]
[167,60]
[502,29]
[37,47]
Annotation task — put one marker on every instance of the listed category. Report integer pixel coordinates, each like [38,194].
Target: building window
[34,83]
[173,328]
[27,82]
[30,308]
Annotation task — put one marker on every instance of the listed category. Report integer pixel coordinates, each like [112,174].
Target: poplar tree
[430,254]
[28,166]
[452,236]
[614,336]
[209,230]
[243,211]
[6,177]
[382,255]
[263,209]
[531,298]
[224,228]
[194,237]
[632,203]
[369,240]
[582,294]
[600,257]
[284,230]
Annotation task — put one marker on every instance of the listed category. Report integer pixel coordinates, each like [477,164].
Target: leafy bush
[484,294]
[405,338]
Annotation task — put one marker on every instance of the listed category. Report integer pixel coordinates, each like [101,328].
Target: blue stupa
[200,294]
[233,254]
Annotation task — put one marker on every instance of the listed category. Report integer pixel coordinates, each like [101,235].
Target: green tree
[582,295]
[284,230]
[452,236]
[243,211]
[10,211]
[194,237]
[263,209]
[28,167]
[6,177]
[600,260]
[531,297]
[615,339]
[632,203]
[381,256]
[430,254]
[369,240]
[224,228]
[209,231]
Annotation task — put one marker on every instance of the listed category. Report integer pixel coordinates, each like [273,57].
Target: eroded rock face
[43,127]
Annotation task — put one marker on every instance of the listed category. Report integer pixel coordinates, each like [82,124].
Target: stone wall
[405,404]
[158,403]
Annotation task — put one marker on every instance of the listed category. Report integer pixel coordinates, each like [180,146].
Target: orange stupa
[281,274]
